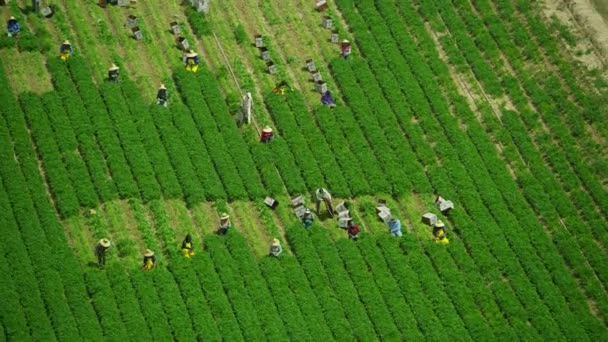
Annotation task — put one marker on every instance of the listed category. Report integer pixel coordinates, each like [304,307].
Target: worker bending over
[394,227]
[267,134]
[275,248]
[100,251]
[440,233]
[224,224]
[307,218]
[191,60]
[323,195]
[149,260]
[187,247]
[12,27]
[65,50]
[353,230]
[328,100]
[162,96]
[113,73]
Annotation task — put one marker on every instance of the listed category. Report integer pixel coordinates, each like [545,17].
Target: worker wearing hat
[346,49]
[12,27]
[322,195]
[66,50]
[100,251]
[307,218]
[149,260]
[267,134]
[187,247]
[192,61]
[275,248]
[162,96]
[113,73]
[440,233]
[224,224]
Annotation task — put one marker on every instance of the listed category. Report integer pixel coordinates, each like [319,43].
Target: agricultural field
[497,105]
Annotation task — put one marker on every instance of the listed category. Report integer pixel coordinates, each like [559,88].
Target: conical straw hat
[12,18]
[345,41]
[267,129]
[276,242]
[148,253]
[105,243]
[66,42]
[439,224]
[224,216]
[114,67]
[162,86]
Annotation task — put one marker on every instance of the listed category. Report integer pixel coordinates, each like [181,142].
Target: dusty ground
[587,18]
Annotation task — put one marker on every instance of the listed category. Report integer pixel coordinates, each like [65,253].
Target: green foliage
[240,35]
[199,22]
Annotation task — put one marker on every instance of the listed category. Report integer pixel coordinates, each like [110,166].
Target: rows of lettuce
[551,210]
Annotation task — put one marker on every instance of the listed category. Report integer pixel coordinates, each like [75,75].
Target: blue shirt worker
[12,27]
[149,260]
[275,248]
[162,97]
[66,50]
[328,100]
[394,227]
[307,218]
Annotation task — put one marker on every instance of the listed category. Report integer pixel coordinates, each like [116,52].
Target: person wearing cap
[440,233]
[187,247]
[346,49]
[267,134]
[275,248]
[353,230]
[192,61]
[12,27]
[149,260]
[307,218]
[113,73]
[322,195]
[224,224]
[162,96]
[65,50]
[100,251]
[394,227]
[328,100]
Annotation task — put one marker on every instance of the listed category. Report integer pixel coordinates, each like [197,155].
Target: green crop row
[323,154]
[83,130]
[219,153]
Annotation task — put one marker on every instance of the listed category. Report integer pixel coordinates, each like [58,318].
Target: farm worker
[113,73]
[224,224]
[346,49]
[353,230]
[187,247]
[324,195]
[443,205]
[328,100]
[162,97]
[12,27]
[281,88]
[100,251]
[394,227]
[267,134]
[307,218]
[65,50]
[192,61]
[149,260]
[275,248]
[440,233]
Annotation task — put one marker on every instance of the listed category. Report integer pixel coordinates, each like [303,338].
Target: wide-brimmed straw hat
[224,216]
[276,242]
[114,67]
[307,211]
[66,42]
[12,18]
[439,224]
[191,53]
[267,129]
[162,86]
[148,253]
[345,41]
[105,243]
